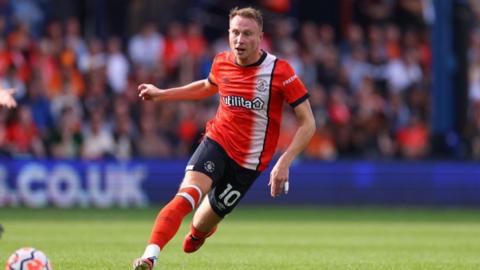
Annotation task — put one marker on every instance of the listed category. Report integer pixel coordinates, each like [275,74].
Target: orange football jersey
[248,119]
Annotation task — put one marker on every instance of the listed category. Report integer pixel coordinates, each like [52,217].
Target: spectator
[196,42]
[404,72]
[146,48]
[413,139]
[95,59]
[175,47]
[24,136]
[39,103]
[356,67]
[65,99]
[124,133]
[475,131]
[30,13]
[392,42]
[150,144]
[73,38]
[338,108]
[5,146]
[354,38]
[125,147]
[117,66]
[99,142]
[66,140]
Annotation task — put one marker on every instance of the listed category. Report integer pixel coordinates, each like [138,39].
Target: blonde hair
[248,12]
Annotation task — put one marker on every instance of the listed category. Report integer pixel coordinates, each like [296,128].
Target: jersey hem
[210,81]
[252,168]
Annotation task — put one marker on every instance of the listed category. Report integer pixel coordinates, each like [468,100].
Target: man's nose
[240,39]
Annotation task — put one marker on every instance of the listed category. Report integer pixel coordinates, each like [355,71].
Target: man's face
[244,38]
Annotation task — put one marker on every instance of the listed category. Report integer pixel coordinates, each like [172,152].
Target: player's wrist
[159,95]
[284,161]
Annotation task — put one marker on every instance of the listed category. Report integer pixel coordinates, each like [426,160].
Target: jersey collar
[256,64]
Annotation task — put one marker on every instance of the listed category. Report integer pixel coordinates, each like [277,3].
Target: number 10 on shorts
[229,196]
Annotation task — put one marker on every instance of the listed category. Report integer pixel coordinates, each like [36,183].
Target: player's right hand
[148,91]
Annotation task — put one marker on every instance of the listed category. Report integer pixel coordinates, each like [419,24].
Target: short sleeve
[293,88]
[212,76]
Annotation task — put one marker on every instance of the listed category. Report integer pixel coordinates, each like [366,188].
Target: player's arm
[279,173]
[195,90]
[6,98]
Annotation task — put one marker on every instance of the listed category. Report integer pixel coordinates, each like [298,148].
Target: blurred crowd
[77,94]
[473,131]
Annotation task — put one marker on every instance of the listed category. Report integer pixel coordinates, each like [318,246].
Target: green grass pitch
[277,238]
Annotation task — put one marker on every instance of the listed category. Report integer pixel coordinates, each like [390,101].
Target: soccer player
[6,98]
[239,141]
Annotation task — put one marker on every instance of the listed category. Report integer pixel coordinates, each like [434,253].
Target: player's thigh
[201,180]
[206,165]
[227,193]
[205,218]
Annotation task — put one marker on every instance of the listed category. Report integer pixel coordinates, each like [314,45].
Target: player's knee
[191,193]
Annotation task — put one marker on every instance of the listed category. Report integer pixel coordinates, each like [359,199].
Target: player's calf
[170,217]
[167,224]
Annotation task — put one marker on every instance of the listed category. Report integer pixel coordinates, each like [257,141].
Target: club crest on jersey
[262,85]
[235,101]
[209,166]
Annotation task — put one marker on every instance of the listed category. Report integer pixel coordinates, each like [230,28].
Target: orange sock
[170,218]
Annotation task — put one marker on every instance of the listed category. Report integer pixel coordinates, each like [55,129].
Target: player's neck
[252,61]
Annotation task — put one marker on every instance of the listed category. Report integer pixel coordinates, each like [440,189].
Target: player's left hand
[278,179]
[148,91]
[7,99]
